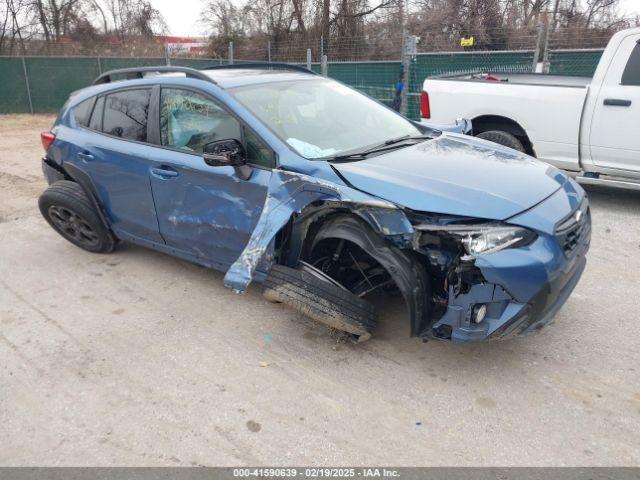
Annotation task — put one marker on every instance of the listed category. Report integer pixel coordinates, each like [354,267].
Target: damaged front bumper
[523,288]
[507,316]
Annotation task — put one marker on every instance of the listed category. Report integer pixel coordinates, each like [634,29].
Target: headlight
[491,239]
[484,238]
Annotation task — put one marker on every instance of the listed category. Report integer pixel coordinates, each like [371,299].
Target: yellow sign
[466,42]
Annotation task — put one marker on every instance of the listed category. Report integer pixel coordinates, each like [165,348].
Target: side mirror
[227,153]
[224,153]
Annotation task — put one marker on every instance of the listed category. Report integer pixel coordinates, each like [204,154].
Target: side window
[82,111]
[257,152]
[126,113]
[96,117]
[189,120]
[631,74]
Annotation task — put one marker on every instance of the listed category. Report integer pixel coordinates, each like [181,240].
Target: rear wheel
[502,138]
[68,210]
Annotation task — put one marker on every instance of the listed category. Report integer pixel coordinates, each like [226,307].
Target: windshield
[323,118]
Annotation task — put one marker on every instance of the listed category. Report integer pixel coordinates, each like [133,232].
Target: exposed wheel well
[486,123]
[399,266]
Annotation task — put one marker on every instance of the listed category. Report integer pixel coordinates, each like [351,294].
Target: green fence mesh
[13,89]
[376,79]
[52,79]
[197,62]
[428,64]
[574,62]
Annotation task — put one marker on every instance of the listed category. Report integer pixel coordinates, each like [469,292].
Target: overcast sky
[182,15]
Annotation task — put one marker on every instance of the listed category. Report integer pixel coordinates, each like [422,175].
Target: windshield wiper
[388,145]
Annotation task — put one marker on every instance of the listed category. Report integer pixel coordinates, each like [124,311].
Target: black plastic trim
[138,72]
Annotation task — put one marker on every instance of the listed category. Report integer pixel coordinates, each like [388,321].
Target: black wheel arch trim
[82,179]
[407,272]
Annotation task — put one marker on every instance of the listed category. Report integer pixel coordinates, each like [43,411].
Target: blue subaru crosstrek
[327,197]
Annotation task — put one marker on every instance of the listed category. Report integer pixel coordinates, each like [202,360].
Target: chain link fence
[391,68]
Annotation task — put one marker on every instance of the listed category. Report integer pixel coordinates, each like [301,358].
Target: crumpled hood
[456,174]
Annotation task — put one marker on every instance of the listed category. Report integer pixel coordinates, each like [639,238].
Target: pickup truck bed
[550,106]
[523,79]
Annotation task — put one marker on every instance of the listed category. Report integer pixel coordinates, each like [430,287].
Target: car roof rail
[138,72]
[265,65]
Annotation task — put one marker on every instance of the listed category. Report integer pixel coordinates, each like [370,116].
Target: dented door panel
[202,210]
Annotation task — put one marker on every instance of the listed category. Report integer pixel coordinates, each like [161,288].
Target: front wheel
[502,138]
[65,206]
[316,295]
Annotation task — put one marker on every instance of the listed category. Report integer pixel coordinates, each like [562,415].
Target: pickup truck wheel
[309,291]
[65,206]
[502,138]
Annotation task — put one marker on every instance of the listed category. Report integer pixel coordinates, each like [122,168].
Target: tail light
[425,110]
[47,139]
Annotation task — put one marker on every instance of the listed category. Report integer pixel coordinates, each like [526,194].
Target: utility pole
[409,51]
[550,31]
[536,54]
[324,70]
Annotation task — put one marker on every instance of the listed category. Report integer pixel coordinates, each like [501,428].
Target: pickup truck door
[614,139]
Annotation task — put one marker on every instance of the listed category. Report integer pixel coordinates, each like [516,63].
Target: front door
[205,211]
[614,129]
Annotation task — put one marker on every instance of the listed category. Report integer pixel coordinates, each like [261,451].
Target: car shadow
[627,201]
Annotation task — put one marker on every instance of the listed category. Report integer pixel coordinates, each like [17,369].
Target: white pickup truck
[590,126]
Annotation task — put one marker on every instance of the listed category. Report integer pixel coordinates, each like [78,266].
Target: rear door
[204,211]
[614,129]
[112,150]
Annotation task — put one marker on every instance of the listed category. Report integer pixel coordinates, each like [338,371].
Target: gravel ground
[137,358]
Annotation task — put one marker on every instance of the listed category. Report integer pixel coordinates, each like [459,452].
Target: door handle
[164,172]
[617,102]
[85,157]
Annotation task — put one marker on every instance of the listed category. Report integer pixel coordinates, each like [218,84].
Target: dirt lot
[137,358]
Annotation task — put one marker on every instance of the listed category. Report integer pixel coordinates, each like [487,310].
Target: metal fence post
[551,29]
[536,55]
[99,65]
[308,59]
[167,59]
[269,51]
[26,82]
[230,53]
[409,45]
[404,60]
[324,70]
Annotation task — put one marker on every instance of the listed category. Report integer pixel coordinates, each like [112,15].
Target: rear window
[126,114]
[631,74]
[96,117]
[82,112]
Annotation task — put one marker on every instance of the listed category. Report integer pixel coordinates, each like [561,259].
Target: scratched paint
[290,193]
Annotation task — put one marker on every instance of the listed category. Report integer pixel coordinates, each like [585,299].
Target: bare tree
[133,18]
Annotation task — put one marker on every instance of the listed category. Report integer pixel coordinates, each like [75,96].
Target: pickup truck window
[631,74]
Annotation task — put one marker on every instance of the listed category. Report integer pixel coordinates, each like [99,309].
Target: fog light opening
[479,312]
